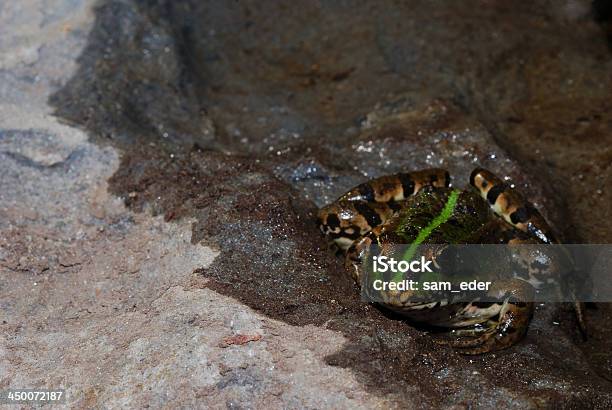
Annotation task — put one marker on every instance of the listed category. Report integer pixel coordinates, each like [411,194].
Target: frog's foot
[508,326]
[510,205]
[354,257]
[504,333]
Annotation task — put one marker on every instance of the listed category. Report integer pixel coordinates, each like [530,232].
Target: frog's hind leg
[514,209]
[370,204]
[511,206]
[506,328]
[397,187]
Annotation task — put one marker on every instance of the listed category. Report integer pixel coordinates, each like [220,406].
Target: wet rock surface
[273,259]
[233,122]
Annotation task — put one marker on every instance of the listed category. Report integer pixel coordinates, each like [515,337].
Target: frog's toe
[470,332]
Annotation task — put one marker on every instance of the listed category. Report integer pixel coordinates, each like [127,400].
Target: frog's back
[440,216]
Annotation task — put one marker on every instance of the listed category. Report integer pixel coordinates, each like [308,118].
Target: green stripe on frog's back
[424,233]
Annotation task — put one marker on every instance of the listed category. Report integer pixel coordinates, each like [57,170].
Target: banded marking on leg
[397,187]
[511,206]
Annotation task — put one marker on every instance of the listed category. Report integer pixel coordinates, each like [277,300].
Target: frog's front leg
[355,256]
[372,203]
[505,328]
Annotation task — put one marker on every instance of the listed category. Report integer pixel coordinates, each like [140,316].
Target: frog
[421,207]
